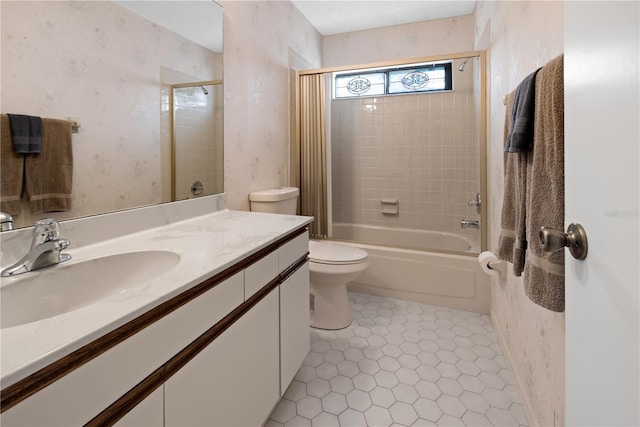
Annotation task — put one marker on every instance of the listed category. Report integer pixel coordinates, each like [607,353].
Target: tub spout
[469,224]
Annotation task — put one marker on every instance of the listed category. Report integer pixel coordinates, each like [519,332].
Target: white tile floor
[402,363]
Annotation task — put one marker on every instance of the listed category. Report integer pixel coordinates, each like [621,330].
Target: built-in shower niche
[422,149]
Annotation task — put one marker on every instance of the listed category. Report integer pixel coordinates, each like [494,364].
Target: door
[602,116]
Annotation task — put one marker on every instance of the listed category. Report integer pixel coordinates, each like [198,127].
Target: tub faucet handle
[477,203]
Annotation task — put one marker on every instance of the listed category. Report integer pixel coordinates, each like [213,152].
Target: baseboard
[528,406]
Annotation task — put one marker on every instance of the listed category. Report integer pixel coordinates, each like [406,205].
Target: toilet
[331,265]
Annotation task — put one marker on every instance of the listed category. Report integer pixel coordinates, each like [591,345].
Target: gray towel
[520,137]
[26,133]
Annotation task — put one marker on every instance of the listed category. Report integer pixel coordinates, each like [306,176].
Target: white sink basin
[67,287]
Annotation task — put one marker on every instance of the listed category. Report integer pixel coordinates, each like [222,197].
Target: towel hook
[575,239]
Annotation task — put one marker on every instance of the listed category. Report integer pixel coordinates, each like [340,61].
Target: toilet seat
[323,252]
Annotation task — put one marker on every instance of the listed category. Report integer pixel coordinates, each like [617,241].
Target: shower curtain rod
[196,84]
[461,55]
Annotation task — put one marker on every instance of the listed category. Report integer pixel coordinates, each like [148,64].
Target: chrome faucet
[477,203]
[45,249]
[469,224]
[6,222]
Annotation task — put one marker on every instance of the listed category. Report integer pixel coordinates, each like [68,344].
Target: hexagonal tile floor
[403,363]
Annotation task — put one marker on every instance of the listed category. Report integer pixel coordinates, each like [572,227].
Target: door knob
[575,239]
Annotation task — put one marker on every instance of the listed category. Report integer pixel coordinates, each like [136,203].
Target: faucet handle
[46,229]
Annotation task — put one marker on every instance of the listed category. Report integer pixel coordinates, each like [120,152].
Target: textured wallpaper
[258,38]
[428,38]
[521,36]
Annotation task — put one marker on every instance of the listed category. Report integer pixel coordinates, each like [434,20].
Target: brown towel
[49,174]
[512,244]
[12,166]
[544,271]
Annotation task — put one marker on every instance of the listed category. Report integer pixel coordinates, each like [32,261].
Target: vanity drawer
[258,274]
[78,396]
[291,251]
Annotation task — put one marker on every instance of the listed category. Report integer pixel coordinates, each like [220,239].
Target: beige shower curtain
[312,149]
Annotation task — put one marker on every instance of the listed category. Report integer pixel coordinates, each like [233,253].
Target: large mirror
[142,79]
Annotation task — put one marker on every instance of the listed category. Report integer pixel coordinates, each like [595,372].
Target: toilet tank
[282,200]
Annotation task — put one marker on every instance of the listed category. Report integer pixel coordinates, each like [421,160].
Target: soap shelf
[389,206]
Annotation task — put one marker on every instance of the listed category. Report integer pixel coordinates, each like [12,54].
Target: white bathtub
[451,280]
[422,240]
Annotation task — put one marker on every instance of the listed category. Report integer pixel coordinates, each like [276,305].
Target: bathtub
[403,264]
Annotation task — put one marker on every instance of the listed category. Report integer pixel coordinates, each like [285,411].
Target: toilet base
[330,309]
[328,287]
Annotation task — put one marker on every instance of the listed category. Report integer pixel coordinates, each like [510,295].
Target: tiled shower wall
[421,149]
[198,139]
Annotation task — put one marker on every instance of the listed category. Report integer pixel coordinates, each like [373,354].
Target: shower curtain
[312,149]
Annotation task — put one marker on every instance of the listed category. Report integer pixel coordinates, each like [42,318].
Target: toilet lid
[335,253]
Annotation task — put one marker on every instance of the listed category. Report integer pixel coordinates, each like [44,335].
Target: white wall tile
[409,153]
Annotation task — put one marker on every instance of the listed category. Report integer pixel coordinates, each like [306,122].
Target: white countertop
[206,245]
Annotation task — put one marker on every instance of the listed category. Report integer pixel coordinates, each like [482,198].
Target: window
[416,78]
[360,84]
[190,97]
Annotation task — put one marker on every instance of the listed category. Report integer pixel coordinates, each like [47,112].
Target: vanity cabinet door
[148,413]
[294,324]
[235,380]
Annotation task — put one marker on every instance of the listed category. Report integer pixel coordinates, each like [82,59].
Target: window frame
[446,65]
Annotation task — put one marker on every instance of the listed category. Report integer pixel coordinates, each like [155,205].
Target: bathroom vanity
[214,340]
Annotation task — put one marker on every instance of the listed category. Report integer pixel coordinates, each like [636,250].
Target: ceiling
[192,20]
[343,16]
